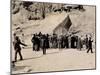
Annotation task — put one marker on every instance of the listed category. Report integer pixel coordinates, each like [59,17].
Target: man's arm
[32,40]
[22,43]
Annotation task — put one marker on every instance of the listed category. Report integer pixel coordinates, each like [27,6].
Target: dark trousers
[90,49]
[38,48]
[66,45]
[33,48]
[86,46]
[44,51]
[16,52]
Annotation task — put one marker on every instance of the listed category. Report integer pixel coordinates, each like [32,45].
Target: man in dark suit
[90,45]
[66,42]
[43,44]
[33,41]
[16,44]
[86,42]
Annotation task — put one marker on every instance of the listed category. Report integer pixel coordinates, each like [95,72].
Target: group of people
[44,41]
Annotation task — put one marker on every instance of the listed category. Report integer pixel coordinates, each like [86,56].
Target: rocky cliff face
[23,11]
[28,15]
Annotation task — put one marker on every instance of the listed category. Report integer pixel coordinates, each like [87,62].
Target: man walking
[17,47]
[90,45]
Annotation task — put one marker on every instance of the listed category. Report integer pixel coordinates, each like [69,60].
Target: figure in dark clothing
[33,41]
[43,44]
[90,45]
[79,43]
[59,42]
[54,41]
[36,42]
[37,45]
[47,41]
[17,47]
[62,42]
[86,42]
[66,42]
[50,42]
[73,42]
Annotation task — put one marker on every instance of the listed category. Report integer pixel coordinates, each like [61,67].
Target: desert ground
[54,60]
[57,59]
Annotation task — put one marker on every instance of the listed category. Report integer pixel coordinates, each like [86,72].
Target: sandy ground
[54,60]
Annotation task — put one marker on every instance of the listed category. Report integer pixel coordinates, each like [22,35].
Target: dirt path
[55,60]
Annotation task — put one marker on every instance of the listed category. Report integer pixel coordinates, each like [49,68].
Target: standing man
[59,42]
[66,42]
[23,37]
[43,44]
[33,41]
[86,42]
[37,45]
[17,47]
[79,43]
[90,45]
[72,41]
[47,41]
[62,41]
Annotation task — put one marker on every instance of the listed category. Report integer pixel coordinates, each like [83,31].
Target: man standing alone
[16,44]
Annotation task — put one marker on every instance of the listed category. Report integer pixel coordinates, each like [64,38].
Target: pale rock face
[82,22]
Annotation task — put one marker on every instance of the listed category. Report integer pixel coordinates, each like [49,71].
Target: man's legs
[21,58]
[38,48]
[33,47]
[91,50]
[88,50]
[15,56]
[44,51]
[86,46]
